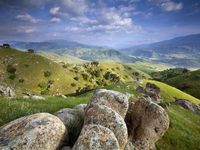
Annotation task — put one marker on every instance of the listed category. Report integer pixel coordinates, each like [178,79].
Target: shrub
[30,51]
[12,76]
[95,63]
[76,78]
[11,69]
[26,65]
[47,74]
[21,80]
[85,76]
[111,76]
[43,85]
[73,84]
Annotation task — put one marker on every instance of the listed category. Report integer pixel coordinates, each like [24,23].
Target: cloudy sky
[113,23]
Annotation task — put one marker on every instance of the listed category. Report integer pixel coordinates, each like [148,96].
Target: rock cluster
[107,109]
[186,104]
[151,90]
[108,122]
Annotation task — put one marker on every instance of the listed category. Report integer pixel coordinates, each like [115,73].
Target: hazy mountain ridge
[180,51]
[81,51]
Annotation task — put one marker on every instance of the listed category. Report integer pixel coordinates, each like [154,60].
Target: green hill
[183,79]
[25,71]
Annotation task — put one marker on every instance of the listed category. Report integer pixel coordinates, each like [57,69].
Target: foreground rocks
[147,123]
[108,122]
[39,131]
[96,137]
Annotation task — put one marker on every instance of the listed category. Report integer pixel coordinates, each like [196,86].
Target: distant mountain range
[180,51]
[81,51]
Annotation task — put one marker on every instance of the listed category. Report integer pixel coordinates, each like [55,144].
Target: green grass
[184,131]
[11,109]
[169,93]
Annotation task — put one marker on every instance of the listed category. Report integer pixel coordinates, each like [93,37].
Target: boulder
[68,115]
[114,100]
[186,104]
[153,87]
[105,116]
[6,91]
[147,123]
[96,137]
[39,131]
[81,108]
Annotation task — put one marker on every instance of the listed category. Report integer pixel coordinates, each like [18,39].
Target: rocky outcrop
[96,137]
[151,90]
[107,109]
[147,122]
[186,104]
[38,131]
[6,91]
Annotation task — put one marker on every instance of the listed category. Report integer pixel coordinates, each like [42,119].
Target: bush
[30,51]
[47,74]
[43,85]
[111,76]
[76,78]
[85,76]
[95,63]
[11,69]
[21,80]
[73,84]
[26,65]
[12,76]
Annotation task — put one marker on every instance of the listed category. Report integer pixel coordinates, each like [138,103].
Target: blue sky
[113,23]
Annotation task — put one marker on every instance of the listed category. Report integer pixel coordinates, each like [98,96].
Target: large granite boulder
[105,116]
[39,131]
[96,137]
[147,123]
[115,100]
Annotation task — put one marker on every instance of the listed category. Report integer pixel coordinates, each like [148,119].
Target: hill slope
[185,80]
[30,72]
[180,51]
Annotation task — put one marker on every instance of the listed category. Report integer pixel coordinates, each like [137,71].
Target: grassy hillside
[30,72]
[185,80]
[169,93]
[149,67]
[62,58]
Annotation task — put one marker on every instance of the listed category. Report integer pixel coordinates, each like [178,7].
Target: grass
[169,93]
[184,131]
[14,108]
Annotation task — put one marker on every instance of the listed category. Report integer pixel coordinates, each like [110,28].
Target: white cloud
[74,7]
[168,5]
[27,18]
[26,29]
[171,6]
[55,19]
[54,11]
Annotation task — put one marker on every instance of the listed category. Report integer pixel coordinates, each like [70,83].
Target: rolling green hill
[25,71]
[183,79]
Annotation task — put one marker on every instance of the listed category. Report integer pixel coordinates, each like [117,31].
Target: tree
[6,45]
[31,51]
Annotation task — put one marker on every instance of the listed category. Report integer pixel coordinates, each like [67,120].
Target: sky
[111,23]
